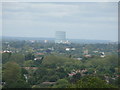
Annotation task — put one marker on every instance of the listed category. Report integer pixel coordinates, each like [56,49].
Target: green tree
[12,76]
[28,63]
[18,58]
[11,72]
[5,57]
[29,56]
[53,78]
[91,82]
[61,83]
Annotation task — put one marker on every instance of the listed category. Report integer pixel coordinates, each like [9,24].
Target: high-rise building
[60,37]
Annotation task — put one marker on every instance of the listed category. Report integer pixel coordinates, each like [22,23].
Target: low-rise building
[67,49]
[102,54]
[50,83]
[39,56]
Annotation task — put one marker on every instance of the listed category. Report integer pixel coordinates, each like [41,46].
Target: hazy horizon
[54,38]
[89,20]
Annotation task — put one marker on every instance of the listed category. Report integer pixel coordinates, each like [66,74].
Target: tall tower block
[60,37]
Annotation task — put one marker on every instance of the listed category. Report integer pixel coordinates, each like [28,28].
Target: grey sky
[79,20]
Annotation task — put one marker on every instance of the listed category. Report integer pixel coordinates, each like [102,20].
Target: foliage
[58,64]
[12,76]
[29,63]
[91,82]
[54,78]
[29,56]
[57,61]
[18,58]
[5,57]
[61,83]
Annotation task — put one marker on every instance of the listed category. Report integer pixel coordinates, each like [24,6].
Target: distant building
[48,83]
[7,51]
[51,48]
[70,49]
[85,51]
[32,68]
[45,41]
[60,37]
[88,56]
[73,49]
[95,51]
[67,49]
[102,54]
[32,41]
[77,58]
[39,56]
[67,42]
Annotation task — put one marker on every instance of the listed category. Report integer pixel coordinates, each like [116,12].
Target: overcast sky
[86,20]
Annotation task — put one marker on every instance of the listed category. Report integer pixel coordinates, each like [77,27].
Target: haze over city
[79,20]
[59,44]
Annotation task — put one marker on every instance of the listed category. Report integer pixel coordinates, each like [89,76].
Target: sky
[82,20]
